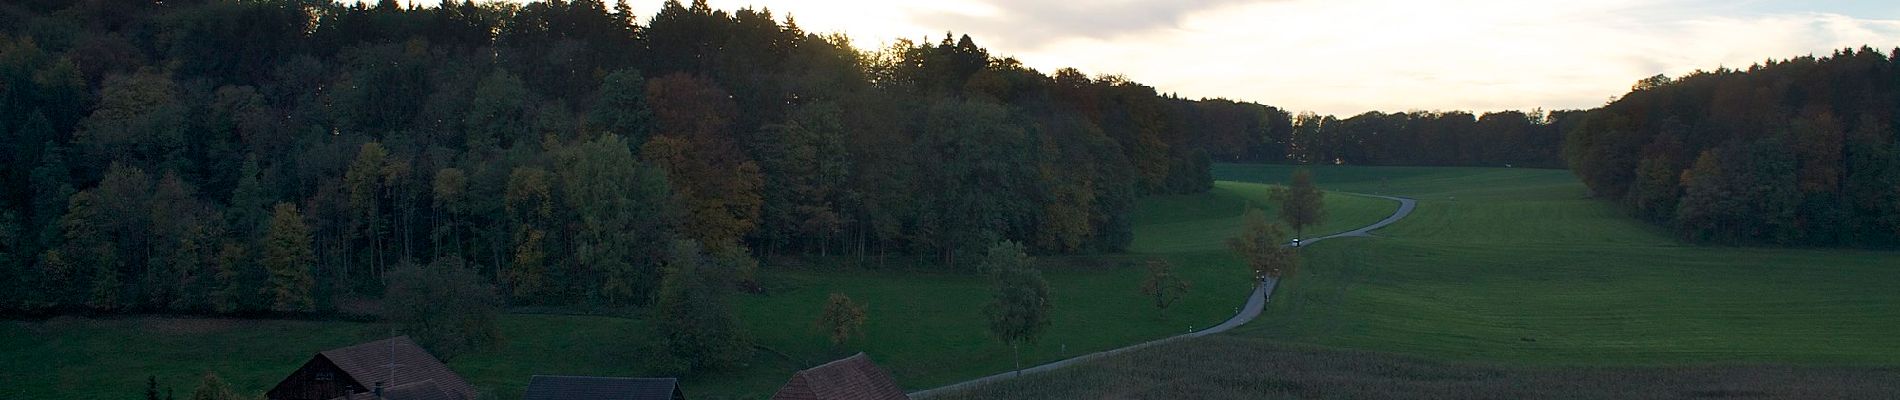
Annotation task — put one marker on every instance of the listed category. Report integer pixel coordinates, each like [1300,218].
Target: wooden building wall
[317,379]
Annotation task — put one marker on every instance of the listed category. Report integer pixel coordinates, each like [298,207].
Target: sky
[1344,57]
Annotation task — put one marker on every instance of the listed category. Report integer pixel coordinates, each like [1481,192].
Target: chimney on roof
[379,390]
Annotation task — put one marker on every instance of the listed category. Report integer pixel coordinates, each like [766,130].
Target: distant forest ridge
[277,155]
[1794,152]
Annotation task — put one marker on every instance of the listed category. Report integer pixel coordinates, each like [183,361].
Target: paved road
[1256,301]
[1405,208]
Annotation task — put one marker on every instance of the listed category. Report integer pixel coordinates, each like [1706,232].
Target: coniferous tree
[151,387]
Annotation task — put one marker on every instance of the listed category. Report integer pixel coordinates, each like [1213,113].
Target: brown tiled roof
[853,378]
[550,387]
[368,363]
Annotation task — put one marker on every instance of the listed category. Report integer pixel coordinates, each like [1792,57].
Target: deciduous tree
[530,205]
[716,185]
[621,107]
[367,182]
[451,208]
[446,306]
[288,257]
[1163,285]
[696,326]
[621,207]
[1263,246]
[842,319]
[1302,204]
[1019,310]
[210,387]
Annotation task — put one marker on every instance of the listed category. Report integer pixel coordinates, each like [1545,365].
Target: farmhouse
[550,387]
[392,369]
[852,378]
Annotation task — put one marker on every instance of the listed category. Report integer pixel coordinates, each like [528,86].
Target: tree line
[1793,152]
[1240,132]
[278,156]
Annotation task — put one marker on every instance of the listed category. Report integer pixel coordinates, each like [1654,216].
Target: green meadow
[1514,283]
[924,322]
[1521,265]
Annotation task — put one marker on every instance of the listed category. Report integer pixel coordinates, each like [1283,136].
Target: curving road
[1256,301]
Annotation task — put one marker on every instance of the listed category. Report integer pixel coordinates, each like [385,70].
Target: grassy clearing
[925,327]
[1519,265]
[1239,367]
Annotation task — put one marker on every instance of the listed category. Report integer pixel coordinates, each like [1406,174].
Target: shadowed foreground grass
[1239,367]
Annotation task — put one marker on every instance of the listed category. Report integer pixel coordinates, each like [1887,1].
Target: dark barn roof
[853,378]
[424,390]
[555,387]
[367,363]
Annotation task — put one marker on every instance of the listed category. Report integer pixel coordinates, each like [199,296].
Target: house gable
[317,379]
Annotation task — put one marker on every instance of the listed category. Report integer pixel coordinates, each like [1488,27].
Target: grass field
[1519,265]
[923,326]
[1512,283]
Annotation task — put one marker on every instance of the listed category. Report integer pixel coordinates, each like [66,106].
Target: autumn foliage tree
[841,319]
[1795,151]
[211,387]
[529,201]
[288,258]
[717,186]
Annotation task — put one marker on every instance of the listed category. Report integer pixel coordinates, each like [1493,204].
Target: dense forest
[1793,152]
[280,155]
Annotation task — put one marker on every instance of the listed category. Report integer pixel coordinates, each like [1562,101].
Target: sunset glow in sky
[1349,56]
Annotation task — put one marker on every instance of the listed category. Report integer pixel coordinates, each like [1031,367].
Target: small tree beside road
[1262,245]
[1163,285]
[1302,204]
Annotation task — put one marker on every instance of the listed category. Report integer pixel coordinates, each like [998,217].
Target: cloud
[1350,56]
